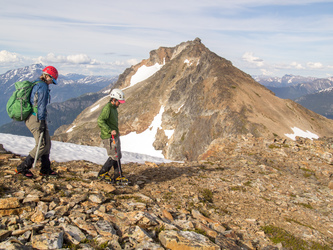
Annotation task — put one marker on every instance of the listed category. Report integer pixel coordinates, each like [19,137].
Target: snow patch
[169,133]
[71,129]
[187,62]
[94,108]
[180,108]
[144,73]
[301,133]
[143,143]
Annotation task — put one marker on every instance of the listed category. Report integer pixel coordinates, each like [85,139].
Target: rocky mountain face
[203,98]
[69,86]
[250,193]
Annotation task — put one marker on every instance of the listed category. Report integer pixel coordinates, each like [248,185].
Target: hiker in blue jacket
[36,123]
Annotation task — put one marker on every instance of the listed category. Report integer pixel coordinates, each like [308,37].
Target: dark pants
[108,165]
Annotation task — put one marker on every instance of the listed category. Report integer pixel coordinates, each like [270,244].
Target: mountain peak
[200,97]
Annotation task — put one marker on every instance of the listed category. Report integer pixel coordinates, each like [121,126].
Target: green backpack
[19,106]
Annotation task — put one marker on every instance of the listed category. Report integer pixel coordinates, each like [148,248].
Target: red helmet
[52,71]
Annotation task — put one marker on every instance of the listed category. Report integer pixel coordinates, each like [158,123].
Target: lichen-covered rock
[178,240]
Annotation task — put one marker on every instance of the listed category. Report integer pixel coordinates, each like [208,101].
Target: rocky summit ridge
[252,193]
[203,98]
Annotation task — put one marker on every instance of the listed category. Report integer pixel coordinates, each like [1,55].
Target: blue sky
[104,37]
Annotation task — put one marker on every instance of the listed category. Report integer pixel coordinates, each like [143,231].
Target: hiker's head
[50,73]
[117,95]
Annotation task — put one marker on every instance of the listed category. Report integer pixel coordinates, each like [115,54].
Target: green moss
[299,223]
[289,241]
[248,183]
[207,194]
[167,196]
[305,205]
[200,231]
[238,188]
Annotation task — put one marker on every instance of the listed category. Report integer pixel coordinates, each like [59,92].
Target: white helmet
[118,94]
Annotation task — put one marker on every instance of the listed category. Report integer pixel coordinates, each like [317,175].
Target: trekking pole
[38,147]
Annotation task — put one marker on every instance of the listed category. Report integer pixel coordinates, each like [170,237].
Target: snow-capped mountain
[293,87]
[285,81]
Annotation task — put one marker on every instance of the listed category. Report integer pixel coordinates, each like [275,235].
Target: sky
[104,37]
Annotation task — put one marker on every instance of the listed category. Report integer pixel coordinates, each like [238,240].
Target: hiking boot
[25,165]
[105,177]
[25,173]
[122,181]
[46,167]
[49,173]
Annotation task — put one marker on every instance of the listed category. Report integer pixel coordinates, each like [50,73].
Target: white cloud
[133,61]
[9,57]
[71,59]
[249,57]
[315,65]
[79,59]
[297,65]
[265,72]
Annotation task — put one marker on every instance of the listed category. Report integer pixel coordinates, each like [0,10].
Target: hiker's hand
[42,126]
[113,132]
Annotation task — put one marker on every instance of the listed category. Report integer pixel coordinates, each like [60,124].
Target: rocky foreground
[245,193]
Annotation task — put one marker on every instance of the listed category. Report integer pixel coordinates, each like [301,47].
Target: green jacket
[108,121]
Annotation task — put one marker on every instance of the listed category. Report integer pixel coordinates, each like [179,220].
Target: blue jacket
[39,99]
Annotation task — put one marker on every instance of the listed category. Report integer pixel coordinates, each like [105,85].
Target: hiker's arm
[101,121]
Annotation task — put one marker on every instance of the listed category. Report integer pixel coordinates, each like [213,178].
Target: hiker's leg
[33,125]
[117,169]
[46,166]
[24,167]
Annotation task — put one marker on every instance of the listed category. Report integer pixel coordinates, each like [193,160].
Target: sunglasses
[45,74]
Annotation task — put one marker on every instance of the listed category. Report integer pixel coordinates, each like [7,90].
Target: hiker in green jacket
[108,122]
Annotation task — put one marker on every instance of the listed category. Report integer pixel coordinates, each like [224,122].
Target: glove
[42,126]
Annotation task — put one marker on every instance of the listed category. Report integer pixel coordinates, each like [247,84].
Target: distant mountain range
[313,93]
[63,108]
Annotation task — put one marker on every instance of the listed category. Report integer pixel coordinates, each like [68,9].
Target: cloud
[265,72]
[70,59]
[296,65]
[249,57]
[315,65]
[76,63]
[133,61]
[9,57]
